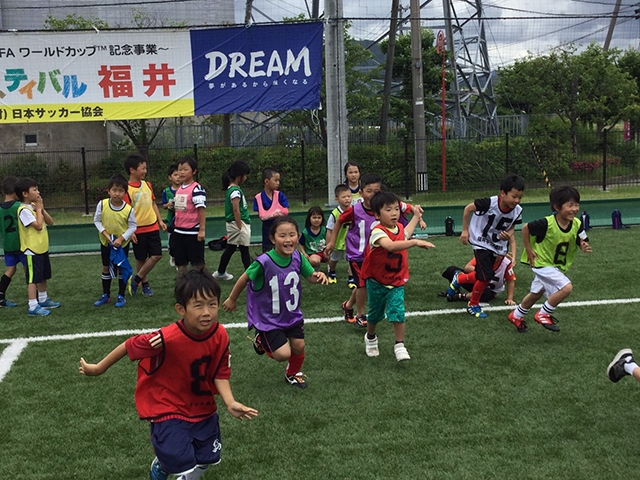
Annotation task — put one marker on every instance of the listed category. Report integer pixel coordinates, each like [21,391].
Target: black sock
[371,337]
[399,341]
[137,279]
[145,284]
[4,284]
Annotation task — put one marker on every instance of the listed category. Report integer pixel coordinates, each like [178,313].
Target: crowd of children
[368,227]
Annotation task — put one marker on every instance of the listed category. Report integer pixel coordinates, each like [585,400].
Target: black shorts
[38,268]
[356,273]
[488,293]
[105,254]
[186,249]
[484,264]
[274,339]
[149,245]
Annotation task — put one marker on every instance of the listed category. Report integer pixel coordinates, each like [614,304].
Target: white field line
[10,355]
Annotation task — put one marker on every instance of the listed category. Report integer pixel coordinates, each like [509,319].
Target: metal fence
[78,178]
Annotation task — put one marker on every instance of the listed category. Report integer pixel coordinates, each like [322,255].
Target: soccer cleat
[349,317]
[442,294]
[7,303]
[257,345]
[38,311]
[615,370]
[454,286]
[49,304]
[120,301]
[351,283]
[371,346]
[361,321]
[519,323]
[401,352]
[458,297]
[296,380]
[546,320]
[226,276]
[133,287]
[146,291]
[476,311]
[157,472]
[331,277]
[105,298]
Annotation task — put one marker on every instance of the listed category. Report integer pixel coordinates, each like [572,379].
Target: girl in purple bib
[273,298]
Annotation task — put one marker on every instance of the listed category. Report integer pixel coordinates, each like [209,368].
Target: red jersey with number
[385,267]
[176,371]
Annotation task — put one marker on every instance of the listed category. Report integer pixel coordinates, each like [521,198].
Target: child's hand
[509,301]
[328,248]
[585,247]
[117,242]
[464,237]
[505,234]
[422,224]
[39,203]
[425,245]
[531,257]
[134,238]
[88,369]
[229,305]
[417,210]
[163,225]
[320,278]
[238,410]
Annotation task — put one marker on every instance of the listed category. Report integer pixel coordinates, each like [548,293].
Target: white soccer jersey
[488,221]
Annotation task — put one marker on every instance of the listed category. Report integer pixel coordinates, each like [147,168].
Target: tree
[588,87]
[630,62]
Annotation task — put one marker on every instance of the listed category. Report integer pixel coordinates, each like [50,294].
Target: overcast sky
[512,28]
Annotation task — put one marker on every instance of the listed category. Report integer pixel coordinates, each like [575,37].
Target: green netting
[84,238]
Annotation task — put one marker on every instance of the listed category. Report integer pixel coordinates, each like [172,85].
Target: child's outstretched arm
[416,210]
[468,210]
[229,304]
[94,369]
[234,407]
[391,246]
[318,277]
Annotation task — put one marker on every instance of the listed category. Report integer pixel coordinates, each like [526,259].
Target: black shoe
[615,370]
[257,345]
[296,380]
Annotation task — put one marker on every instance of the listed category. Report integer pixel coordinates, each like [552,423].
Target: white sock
[195,474]
[42,296]
[33,304]
[629,367]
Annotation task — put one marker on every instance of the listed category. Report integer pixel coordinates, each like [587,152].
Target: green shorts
[382,298]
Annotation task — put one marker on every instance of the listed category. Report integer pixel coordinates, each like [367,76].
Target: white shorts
[337,255]
[238,236]
[548,280]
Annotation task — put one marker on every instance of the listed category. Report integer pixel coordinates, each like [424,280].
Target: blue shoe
[120,301]
[105,298]
[49,304]
[38,311]
[476,311]
[146,291]
[454,286]
[8,304]
[133,287]
[157,472]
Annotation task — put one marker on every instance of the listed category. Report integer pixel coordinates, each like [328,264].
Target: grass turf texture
[476,400]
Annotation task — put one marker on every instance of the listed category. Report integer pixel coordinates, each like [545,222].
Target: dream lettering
[254,66]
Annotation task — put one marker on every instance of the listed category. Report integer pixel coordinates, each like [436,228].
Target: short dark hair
[369,178]
[133,161]
[561,195]
[23,185]
[510,182]
[190,161]
[172,168]
[196,281]
[279,221]
[341,188]
[236,169]
[119,181]
[383,198]
[315,210]
[9,185]
[268,173]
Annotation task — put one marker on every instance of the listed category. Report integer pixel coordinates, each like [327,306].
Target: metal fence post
[195,152]
[604,160]
[506,152]
[405,143]
[304,179]
[83,153]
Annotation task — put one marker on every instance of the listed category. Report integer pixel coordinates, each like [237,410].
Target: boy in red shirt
[180,368]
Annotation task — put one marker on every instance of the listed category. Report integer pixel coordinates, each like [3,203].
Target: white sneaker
[226,276]
[401,352]
[371,346]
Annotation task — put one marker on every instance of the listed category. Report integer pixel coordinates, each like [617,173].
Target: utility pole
[337,126]
[418,98]
[612,25]
[388,73]
[315,7]
[247,12]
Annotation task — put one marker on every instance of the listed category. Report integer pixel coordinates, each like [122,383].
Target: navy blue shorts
[38,268]
[181,445]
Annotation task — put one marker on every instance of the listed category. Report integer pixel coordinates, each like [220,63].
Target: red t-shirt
[176,371]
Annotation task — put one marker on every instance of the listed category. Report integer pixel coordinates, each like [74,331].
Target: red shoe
[546,320]
[349,317]
[519,323]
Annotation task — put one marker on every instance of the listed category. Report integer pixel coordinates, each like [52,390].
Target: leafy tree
[630,63]
[587,88]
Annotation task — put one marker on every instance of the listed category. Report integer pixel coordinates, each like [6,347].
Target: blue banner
[257,68]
